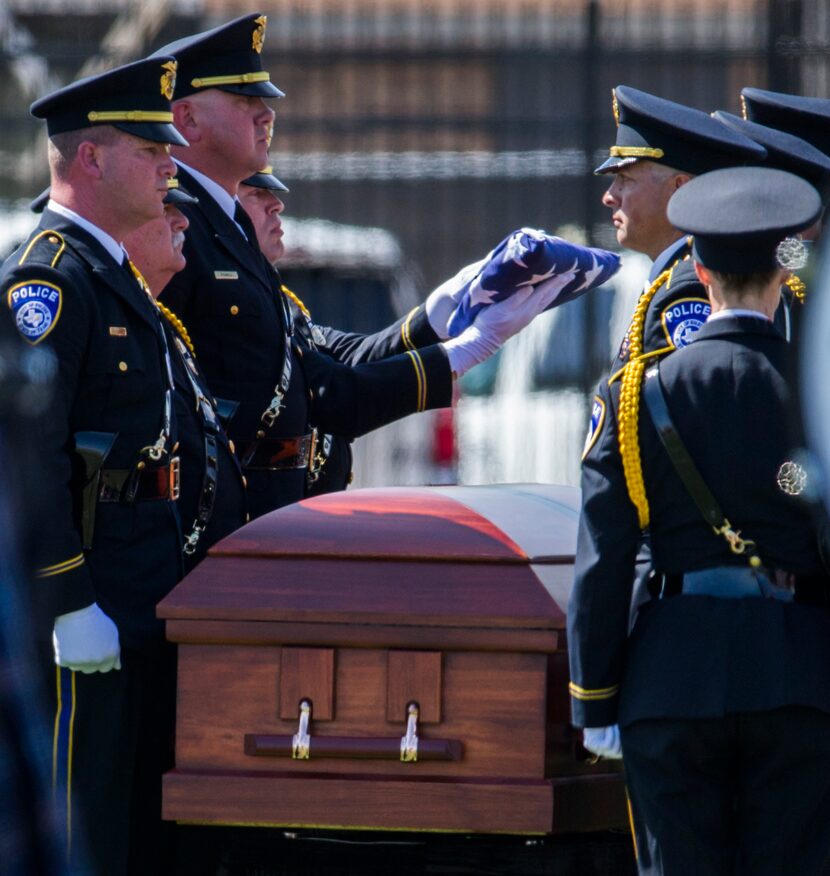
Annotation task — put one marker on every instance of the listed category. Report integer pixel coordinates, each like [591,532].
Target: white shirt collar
[225,201]
[110,244]
[737,311]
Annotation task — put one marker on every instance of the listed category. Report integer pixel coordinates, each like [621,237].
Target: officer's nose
[609,197]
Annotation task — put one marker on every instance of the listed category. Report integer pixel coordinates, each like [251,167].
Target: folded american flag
[530,257]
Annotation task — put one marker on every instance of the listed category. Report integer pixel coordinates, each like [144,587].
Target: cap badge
[168,79]
[744,113]
[615,107]
[258,36]
[791,478]
[791,254]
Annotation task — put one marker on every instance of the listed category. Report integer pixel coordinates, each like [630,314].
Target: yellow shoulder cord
[178,325]
[168,314]
[632,379]
[286,291]
[797,286]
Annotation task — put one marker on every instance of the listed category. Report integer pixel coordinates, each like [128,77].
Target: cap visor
[614,163]
[177,196]
[157,132]
[254,89]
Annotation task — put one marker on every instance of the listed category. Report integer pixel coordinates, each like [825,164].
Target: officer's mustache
[177,239]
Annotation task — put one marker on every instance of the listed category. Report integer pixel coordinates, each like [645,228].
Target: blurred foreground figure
[720,695]
[33,824]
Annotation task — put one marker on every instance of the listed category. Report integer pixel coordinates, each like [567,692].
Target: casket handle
[301,741]
[409,742]
[407,749]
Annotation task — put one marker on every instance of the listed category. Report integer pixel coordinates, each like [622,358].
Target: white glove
[86,641]
[442,301]
[603,741]
[496,323]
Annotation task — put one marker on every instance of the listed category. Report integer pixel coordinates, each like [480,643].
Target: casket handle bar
[407,749]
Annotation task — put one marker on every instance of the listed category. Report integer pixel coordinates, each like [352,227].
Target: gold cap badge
[258,37]
[168,79]
[615,107]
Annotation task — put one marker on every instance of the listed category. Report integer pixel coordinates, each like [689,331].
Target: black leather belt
[772,583]
[281,454]
[140,484]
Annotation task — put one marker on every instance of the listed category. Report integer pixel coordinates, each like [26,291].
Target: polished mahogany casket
[386,658]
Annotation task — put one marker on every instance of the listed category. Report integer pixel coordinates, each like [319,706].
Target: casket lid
[503,523]
[473,556]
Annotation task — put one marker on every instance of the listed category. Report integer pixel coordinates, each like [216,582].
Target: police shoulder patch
[683,318]
[36,305]
[595,426]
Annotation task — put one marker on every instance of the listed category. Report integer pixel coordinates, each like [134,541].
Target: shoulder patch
[36,305]
[46,248]
[595,426]
[682,319]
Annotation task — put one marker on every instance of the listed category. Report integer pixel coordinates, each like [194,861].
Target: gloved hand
[603,741]
[86,641]
[443,300]
[493,325]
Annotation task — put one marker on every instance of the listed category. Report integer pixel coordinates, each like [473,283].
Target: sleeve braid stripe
[421,377]
[406,332]
[60,568]
[587,695]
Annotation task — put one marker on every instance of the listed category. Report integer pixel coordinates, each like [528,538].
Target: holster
[225,410]
[93,449]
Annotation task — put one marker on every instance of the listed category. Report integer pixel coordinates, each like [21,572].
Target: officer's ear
[88,157]
[186,121]
[703,274]
[680,179]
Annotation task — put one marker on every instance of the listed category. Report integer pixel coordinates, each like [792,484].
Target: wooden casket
[386,659]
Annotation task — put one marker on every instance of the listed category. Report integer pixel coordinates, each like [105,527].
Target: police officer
[212,500]
[660,146]
[238,320]
[722,690]
[261,197]
[804,117]
[111,547]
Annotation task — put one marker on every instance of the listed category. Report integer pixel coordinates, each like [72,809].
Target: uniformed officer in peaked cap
[788,152]
[721,691]
[238,316]
[212,500]
[805,117]
[111,548]
[660,146]
[261,196]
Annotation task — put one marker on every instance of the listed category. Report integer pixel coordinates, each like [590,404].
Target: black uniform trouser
[745,794]
[113,738]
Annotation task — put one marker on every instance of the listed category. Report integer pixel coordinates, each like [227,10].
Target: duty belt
[281,454]
[142,483]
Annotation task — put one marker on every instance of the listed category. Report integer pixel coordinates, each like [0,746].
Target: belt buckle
[175,477]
